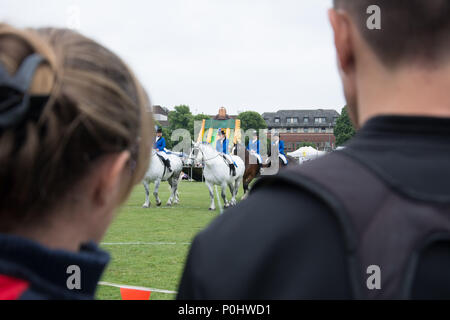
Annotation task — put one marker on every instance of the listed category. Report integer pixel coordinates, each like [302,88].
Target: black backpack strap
[381,226]
[304,178]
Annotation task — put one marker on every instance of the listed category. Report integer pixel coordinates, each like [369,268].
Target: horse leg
[174,191]
[170,200]
[231,187]
[236,190]
[155,192]
[224,196]
[233,192]
[147,193]
[245,187]
[246,182]
[176,198]
[212,206]
[177,195]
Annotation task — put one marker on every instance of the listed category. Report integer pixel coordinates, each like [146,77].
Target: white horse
[157,172]
[217,172]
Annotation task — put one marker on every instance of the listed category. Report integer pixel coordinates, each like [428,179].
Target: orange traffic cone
[134,294]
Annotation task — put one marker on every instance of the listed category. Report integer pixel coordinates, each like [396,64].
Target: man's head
[414,34]
[159,131]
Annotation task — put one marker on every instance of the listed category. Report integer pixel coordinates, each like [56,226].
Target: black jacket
[29,271]
[286,244]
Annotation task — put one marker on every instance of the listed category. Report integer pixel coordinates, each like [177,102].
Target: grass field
[164,235]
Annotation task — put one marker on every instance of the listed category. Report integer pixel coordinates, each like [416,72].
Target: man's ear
[340,22]
[345,50]
[109,176]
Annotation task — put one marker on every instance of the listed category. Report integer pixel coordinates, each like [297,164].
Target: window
[277,120]
[305,130]
[305,120]
[320,120]
[334,120]
[324,130]
[294,130]
[316,130]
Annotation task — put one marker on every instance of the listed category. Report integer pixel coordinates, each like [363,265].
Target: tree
[251,120]
[180,118]
[344,129]
[200,117]
[197,117]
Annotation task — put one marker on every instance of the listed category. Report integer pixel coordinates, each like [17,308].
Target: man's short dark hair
[411,30]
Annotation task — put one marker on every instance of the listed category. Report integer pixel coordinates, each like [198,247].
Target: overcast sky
[260,55]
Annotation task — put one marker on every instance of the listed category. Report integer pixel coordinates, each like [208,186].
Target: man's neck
[407,91]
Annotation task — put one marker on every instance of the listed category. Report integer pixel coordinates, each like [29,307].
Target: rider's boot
[233,169]
[167,163]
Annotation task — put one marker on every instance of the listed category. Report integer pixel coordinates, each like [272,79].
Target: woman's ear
[109,177]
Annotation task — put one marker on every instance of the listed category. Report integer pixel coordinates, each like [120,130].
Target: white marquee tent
[306,153]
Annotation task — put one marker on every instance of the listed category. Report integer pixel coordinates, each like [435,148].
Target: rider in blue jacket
[222,142]
[160,142]
[222,147]
[280,143]
[253,147]
[160,147]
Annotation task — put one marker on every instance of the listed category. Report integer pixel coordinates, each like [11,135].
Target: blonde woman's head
[84,142]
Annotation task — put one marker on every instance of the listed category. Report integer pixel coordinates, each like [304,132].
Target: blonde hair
[95,106]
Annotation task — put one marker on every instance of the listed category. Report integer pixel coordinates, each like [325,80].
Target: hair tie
[14,96]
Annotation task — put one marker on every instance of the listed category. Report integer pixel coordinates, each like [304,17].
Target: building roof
[160,110]
[282,115]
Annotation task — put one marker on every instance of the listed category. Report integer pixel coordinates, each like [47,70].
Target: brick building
[161,115]
[303,126]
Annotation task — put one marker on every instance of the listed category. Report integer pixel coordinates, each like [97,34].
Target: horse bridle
[204,160]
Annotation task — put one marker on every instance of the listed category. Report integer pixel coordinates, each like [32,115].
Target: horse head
[196,155]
